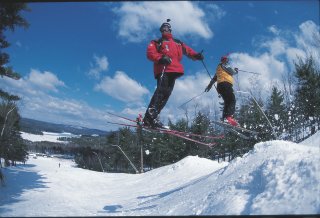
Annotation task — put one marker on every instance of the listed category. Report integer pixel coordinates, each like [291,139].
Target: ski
[237,133]
[181,136]
[195,135]
[236,129]
[159,130]
[175,131]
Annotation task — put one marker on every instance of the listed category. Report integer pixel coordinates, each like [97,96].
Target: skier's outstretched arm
[190,53]
[230,71]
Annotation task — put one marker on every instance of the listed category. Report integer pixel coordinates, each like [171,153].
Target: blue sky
[79,60]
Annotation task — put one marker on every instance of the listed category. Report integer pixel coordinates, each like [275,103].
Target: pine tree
[251,117]
[307,94]
[277,112]
[200,125]
[181,147]
[11,146]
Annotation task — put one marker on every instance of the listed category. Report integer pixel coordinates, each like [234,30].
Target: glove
[199,56]
[165,60]
[213,80]
[236,69]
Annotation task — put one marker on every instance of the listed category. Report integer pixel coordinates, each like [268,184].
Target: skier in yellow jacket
[225,81]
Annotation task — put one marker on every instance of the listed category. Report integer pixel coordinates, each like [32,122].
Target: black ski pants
[161,95]
[225,89]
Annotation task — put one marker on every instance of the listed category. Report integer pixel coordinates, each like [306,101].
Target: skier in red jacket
[166,54]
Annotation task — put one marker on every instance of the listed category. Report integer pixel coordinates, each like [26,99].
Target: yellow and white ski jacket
[224,74]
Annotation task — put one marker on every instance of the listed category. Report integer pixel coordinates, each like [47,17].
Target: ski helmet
[166,26]
[224,59]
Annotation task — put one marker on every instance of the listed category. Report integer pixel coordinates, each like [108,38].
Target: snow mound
[190,167]
[277,177]
[189,163]
[313,140]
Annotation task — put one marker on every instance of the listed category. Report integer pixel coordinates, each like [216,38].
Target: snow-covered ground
[277,177]
[47,136]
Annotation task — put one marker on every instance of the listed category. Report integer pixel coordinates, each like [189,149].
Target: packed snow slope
[276,177]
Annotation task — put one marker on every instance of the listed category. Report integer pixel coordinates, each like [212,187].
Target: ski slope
[277,177]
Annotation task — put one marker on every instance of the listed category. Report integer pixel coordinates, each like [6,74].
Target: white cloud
[293,54]
[66,111]
[139,19]
[309,30]
[37,103]
[308,39]
[34,83]
[215,12]
[45,80]
[269,68]
[122,88]
[134,112]
[274,29]
[101,64]
[276,46]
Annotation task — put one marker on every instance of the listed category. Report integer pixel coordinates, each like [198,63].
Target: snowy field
[47,136]
[277,177]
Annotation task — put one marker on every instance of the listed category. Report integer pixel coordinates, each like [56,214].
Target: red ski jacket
[172,48]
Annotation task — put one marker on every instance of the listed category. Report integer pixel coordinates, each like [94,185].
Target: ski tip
[211,144]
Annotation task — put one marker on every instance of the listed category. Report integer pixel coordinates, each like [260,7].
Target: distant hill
[36,127]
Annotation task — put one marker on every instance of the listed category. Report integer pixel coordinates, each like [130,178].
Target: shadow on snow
[17,180]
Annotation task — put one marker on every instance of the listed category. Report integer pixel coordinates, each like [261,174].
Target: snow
[47,136]
[275,178]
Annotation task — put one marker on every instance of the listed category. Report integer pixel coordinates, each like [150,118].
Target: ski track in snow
[276,177]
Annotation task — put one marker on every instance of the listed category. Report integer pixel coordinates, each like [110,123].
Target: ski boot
[232,121]
[153,123]
[158,124]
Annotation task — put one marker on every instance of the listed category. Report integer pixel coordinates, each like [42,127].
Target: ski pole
[181,106]
[209,75]
[205,66]
[249,72]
